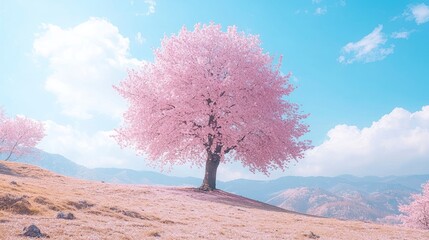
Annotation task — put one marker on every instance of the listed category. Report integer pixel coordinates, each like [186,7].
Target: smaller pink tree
[18,135]
[416,214]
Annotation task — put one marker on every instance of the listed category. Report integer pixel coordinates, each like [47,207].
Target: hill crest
[32,195]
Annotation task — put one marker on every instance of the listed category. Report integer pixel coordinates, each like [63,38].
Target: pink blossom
[416,214]
[211,93]
[18,135]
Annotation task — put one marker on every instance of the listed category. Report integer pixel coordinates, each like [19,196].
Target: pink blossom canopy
[210,90]
[18,135]
[416,214]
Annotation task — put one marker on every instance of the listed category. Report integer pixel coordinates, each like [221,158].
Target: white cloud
[396,144]
[316,1]
[139,38]
[320,11]
[419,13]
[91,150]
[400,35]
[368,49]
[151,4]
[85,62]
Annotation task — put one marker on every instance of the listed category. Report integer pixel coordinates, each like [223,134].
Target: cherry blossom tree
[18,135]
[416,214]
[209,97]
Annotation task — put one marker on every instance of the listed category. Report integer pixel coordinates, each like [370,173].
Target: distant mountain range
[357,205]
[344,197]
[61,165]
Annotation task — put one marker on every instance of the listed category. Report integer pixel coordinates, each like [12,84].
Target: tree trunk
[209,182]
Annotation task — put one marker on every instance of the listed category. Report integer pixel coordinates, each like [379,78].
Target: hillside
[342,197]
[30,195]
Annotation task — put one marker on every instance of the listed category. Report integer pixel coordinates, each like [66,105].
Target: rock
[68,216]
[83,204]
[34,231]
[312,235]
[16,204]
[154,234]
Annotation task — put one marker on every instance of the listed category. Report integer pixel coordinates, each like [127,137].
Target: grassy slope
[29,195]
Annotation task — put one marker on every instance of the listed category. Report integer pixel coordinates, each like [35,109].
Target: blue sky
[361,68]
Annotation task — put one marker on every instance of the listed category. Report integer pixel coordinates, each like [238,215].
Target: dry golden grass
[30,195]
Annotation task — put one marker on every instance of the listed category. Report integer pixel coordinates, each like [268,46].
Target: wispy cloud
[419,13]
[151,4]
[299,11]
[368,49]
[139,38]
[401,35]
[320,11]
